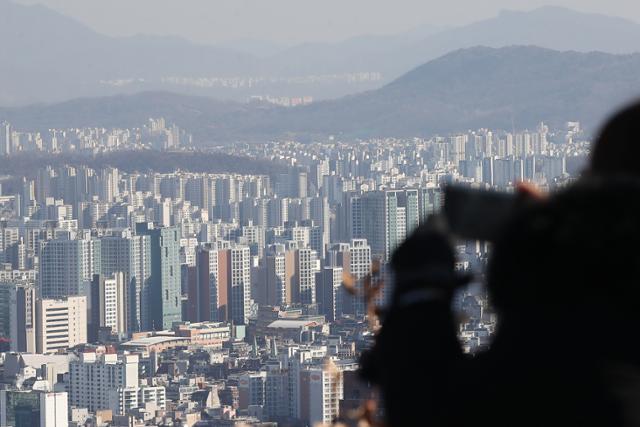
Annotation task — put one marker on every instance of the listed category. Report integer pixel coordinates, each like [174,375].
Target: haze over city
[285,213]
[289,22]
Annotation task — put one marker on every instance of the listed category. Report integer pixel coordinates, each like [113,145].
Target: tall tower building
[303,287]
[17,315]
[274,276]
[429,201]
[197,191]
[254,236]
[457,145]
[408,200]
[252,389]
[277,389]
[320,394]
[385,218]
[109,184]
[234,273]
[355,260]
[5,139]
[321,215]
[107,305]
[67,266]
[190,306]
[165,289]
[28,197]
[329,292]
[280,267]
[9,237]
[208,299]
[380,221]
[212,294]
[131,255]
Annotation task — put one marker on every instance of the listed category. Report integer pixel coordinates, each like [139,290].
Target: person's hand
[529,191]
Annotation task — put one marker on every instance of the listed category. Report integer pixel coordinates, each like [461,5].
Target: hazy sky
[294,21]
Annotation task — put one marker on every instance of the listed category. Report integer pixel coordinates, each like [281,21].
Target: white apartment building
[307,265]
[108,307]
[152,394]
[95,380]
[358,265]
[60,324]
[113,309]
[321,389]
[54,409]
[124,399]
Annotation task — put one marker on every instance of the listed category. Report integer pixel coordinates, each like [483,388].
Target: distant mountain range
[47,57]
[549,27]
[505,88]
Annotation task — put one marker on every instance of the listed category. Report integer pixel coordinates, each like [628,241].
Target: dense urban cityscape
[134,298]
[319,214]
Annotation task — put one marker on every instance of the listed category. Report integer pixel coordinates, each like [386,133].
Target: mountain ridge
[52,58]
[466,89]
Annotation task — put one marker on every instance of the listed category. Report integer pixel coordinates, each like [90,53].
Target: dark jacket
[565,281]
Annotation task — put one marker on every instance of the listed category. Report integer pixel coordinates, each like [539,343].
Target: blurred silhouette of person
[564,279]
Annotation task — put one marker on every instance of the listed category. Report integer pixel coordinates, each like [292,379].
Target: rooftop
[291,323]
[149,341]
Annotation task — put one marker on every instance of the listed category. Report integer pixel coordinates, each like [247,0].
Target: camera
[474,214]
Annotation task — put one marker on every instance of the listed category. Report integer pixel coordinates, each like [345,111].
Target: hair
[617,150]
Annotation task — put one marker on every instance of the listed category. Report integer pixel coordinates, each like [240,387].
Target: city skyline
[160,296]
[284,213]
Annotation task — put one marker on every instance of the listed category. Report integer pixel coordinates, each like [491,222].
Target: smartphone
[477,214]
